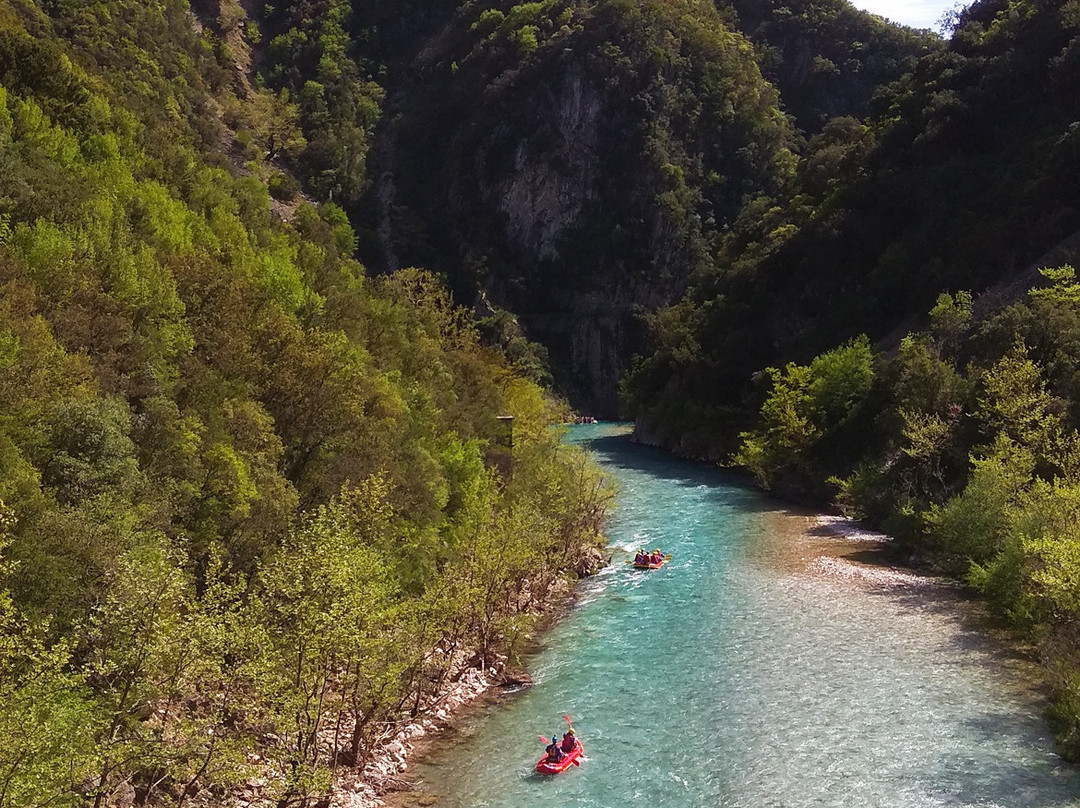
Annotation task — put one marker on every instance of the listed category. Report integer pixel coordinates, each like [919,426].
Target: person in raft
[656,557]
[554,753]
[568,740]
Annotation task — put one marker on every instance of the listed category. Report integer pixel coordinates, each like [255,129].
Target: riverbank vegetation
[254,502]
[963,443]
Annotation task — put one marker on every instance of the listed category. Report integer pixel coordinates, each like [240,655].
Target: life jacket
[568,742]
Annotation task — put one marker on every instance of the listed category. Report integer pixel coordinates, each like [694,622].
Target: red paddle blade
[544,740]
[575,762]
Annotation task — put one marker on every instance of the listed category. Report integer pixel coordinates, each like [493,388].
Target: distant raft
[544,766]
[652,565]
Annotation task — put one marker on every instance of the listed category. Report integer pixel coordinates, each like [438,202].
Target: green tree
[804,403]
[975,525]
[136,657]
[89,450]
[47,718]
[328,595]
[1063,287]
[1014,403]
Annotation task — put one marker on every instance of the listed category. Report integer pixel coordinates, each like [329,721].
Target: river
[764,667]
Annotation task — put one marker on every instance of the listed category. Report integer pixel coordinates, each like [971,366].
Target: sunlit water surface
[735,677]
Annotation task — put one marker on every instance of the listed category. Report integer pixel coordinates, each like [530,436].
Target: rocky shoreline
[385,772]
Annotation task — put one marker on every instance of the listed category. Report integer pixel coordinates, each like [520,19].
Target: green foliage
[950,315]
[886,213]
[1014,402]
[787,419]
[804,403]
[976,465]
[827,57]
[253,488]
[328,602]
[841,379]
[1063,287]
[922,381]
[974,524]
[46,720]
[88,450]
[323,115]
[566,152]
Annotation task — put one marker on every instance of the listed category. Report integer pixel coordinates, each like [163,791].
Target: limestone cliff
[581,176]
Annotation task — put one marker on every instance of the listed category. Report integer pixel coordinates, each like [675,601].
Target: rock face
[574,287]
[543,200]
[591,339]
[579,182]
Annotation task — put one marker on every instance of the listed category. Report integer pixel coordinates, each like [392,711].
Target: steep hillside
[966,173]
[246,489]
[255,500]
[577,161]
[826,57]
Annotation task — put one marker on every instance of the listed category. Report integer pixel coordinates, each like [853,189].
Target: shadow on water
[961,780]
[733,488]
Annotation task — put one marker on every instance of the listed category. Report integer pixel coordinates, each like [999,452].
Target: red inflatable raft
[651,566]
[545,767]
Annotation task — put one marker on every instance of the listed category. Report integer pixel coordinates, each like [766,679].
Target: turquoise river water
[762,667]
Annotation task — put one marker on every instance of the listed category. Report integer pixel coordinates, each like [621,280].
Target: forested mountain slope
[254,496]
[575,161]
[826,57]
[567,165]
[254,502]
[964,174]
